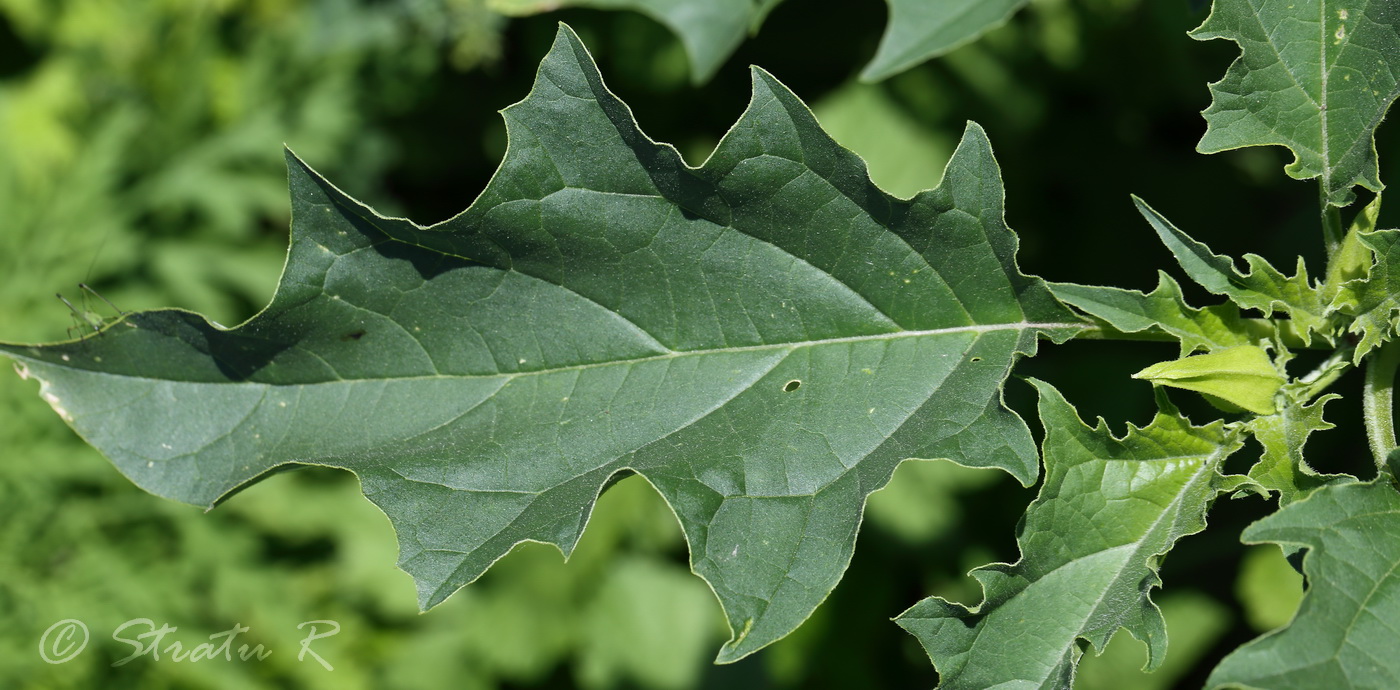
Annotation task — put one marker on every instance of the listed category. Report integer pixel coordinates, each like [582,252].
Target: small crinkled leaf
[1281,469]
[1263,287]
[1352,260]
[1091,543]
[919,30]
[1373,303]
[710,30]
[1344,634]
[763,339]
[1165,310]
[1242,375]
[1316,76]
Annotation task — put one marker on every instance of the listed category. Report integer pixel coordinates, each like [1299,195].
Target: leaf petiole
[1332,231]
[1258,327]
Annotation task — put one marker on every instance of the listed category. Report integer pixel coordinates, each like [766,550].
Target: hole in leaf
[975,359]
[791,386]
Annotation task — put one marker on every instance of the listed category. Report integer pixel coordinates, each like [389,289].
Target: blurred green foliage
[140,153]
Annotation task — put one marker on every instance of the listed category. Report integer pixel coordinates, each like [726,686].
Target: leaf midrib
[792,346]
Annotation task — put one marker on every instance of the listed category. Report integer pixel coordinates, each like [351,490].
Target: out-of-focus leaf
[905,158]
[649,624]
[921,501]
[919,30]
[1316,76]
[710,30]
[764,339]
[1344,633]
[1195,622]
[1109,511]
[1269,589]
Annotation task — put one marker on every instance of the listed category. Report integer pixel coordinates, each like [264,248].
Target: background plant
[1086,216]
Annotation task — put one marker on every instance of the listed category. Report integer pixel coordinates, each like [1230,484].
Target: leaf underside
[763,339]
[1108,511]
[1316,76]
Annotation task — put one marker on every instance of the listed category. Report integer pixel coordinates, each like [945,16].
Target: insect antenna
[79,318]
[115,308]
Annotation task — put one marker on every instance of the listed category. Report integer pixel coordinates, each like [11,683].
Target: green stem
[1332,230]
[1377,401]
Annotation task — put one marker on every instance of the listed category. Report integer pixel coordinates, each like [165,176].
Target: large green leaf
[919,30]
[1344,634]
[1108,512]
[1237,378]
[1316,76]
[764,339]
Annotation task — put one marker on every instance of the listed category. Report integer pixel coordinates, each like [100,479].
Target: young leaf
[1108,512]
[1374,302]
[1316,76]
[763,339]
[1344,633]
[1263,287]
[1165,310]
[1243,376]
[919,30]
[1282,469]
[1353,259]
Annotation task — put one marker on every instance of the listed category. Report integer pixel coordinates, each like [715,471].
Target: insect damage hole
[791,386]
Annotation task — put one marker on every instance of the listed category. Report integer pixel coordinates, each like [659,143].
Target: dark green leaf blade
[763,339]
[1090,546]
[1316,76]
[1344,634]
